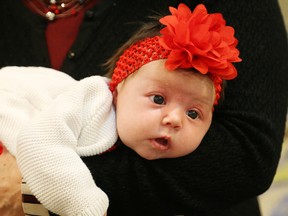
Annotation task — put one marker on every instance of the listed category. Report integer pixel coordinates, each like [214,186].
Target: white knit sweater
[48,119]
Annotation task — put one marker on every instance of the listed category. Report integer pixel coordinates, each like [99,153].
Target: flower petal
[199,40]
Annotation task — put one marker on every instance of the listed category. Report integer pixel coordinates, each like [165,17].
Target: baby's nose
[173,118]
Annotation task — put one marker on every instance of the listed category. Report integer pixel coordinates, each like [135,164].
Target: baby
[165,84]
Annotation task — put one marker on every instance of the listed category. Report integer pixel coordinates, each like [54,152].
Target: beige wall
[284,7]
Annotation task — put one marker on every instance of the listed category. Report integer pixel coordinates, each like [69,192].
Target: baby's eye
[158,99]
[192,114]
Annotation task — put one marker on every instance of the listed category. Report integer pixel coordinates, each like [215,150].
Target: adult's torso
[105,27]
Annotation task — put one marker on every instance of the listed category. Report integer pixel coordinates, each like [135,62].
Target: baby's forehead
[181,83]
[157,71]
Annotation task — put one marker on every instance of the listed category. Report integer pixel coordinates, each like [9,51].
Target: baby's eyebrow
[202,103]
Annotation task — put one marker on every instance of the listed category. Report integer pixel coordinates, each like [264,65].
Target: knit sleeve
[24,93]
[47,149]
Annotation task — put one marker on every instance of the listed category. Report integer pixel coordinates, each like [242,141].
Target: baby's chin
[149,155]
[156,155]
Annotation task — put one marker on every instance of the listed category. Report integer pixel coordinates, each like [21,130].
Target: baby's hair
[146,30]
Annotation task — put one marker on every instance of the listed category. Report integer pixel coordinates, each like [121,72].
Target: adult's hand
[10,186]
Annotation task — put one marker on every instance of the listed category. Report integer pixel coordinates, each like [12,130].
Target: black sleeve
[238,157]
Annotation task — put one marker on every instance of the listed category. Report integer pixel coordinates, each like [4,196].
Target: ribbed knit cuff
[99,207]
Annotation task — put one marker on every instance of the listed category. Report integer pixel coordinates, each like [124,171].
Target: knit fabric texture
[49,120]
[135,57]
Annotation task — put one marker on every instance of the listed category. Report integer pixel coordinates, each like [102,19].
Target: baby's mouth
[161,143]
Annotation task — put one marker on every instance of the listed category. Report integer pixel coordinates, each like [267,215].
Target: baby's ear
[115,95]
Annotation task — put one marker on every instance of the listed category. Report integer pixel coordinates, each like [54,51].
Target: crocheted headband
[190,40]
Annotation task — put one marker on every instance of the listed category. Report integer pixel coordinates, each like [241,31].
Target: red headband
[190,40]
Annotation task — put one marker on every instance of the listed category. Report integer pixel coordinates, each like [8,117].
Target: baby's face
[163,114]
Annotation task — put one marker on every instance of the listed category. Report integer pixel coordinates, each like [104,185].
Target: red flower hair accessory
[190,40]
[199,40]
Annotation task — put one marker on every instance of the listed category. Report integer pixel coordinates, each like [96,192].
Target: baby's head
[167,81]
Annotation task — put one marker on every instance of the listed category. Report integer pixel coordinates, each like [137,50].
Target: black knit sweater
[238,157]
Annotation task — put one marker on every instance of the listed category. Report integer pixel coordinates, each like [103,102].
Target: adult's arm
[237,159]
